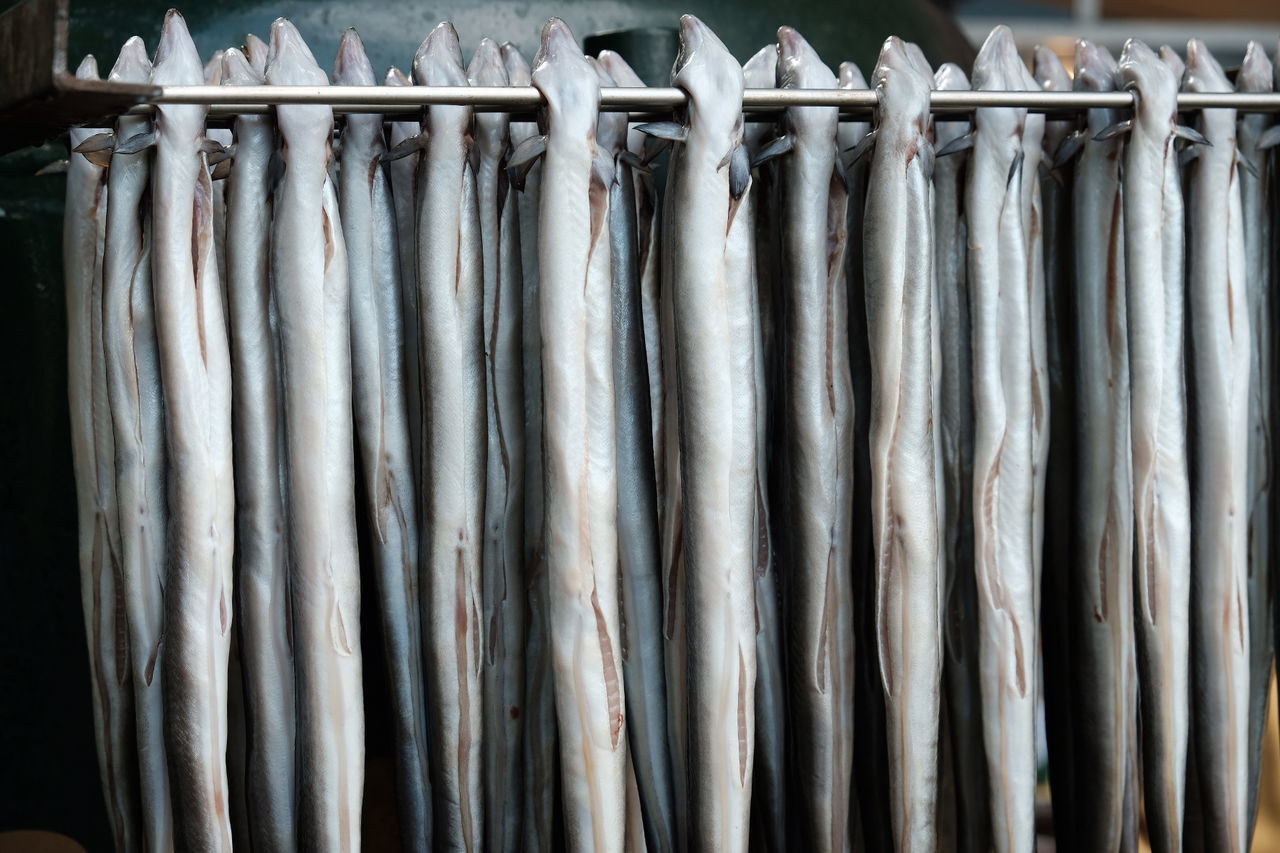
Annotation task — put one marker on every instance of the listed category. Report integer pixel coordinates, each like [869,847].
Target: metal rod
[396,99]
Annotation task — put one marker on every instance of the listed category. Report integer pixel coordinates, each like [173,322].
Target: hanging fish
[1153,263]
[383,439]
[102,592]
[578,440]
[309,275]
[901,323]
[262,597]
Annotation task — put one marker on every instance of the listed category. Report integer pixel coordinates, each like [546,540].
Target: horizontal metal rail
[223,100]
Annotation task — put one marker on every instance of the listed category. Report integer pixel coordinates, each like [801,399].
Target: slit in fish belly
[610,672]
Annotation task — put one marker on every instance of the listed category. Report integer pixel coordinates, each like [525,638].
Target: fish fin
[772,149]
[669,130]
[101,157]
[955,146]
[1270,138]
[739,171]
[137,143]
[104,141]
[1068,149]
[220,170]
[1015,167]
[1186,155]
[1117,129]
[653,146]
[57,167]
[927,158]
[634,161]
[404,148]
[523,158]
[221,154]
[1247,164]
[864,146]
[605,167]
[1190,134]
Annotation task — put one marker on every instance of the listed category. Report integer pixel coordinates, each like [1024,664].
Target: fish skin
[1153,253]
[769,782]
[382,433]
[1256,75]
[960,595]
[503,568]
[1052,214]
[196,379]
[578,441]
[265,644]
[1221,352]
[711,265]
[132,377]
[898,245]
[403,174]
[309,277]
[639,551]
[92,451]
[1004,477]
[451,355]
[1100,581]
[542,779]
[819,405]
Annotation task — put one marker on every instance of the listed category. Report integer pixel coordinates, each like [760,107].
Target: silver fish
[713,294]
[1218,308]
[451,330]
[540,747]
[137,413]
[1004,471]
[1256,182]
[1153,260]
[769,783]
[196,378]
[309,277]
[503,572]
[639,554]
[262,598]
[1100,586]
[578,439]
[818,400]
[960,593]
[93,453]
[378,387]
[898,241]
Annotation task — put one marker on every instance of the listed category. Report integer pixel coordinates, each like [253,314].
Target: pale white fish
[639,554]
[769,783]
[93,455]
[1005,450]
[540,746]
[1170,57]
[403,173]
[1102,690]
[1154,292]
[195,371]
[213,70]
[451,356]
[262,597]
[309,278]
[503,568]
[818,430]
[1256,182]
[578,441]
[1218,309]
[383,438]
[255,50]
[898,246]
[132,374]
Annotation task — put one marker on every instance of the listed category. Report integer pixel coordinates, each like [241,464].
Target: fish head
[213,69]
[88,68]
[133,65]
[517,66]
[619,69]
[950,77]
[1204,73]
[567,81]
[1256,71]
[1049,71]
[177,61]
[998,68]
[761,70]
[711,78]
[256,51]
[396,77]
[239,70]
[352,66]
[1155,82]
[800,67]
[1095,68]
[1170,57]
[292,64]
[611,127]
[902,80]
[438,61]
[850,76]
[487,69]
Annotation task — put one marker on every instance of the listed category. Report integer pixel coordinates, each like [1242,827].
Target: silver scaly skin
[578,440]
[262,597]
[901,322]
[383,438]
[1218,309]
[309,277]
